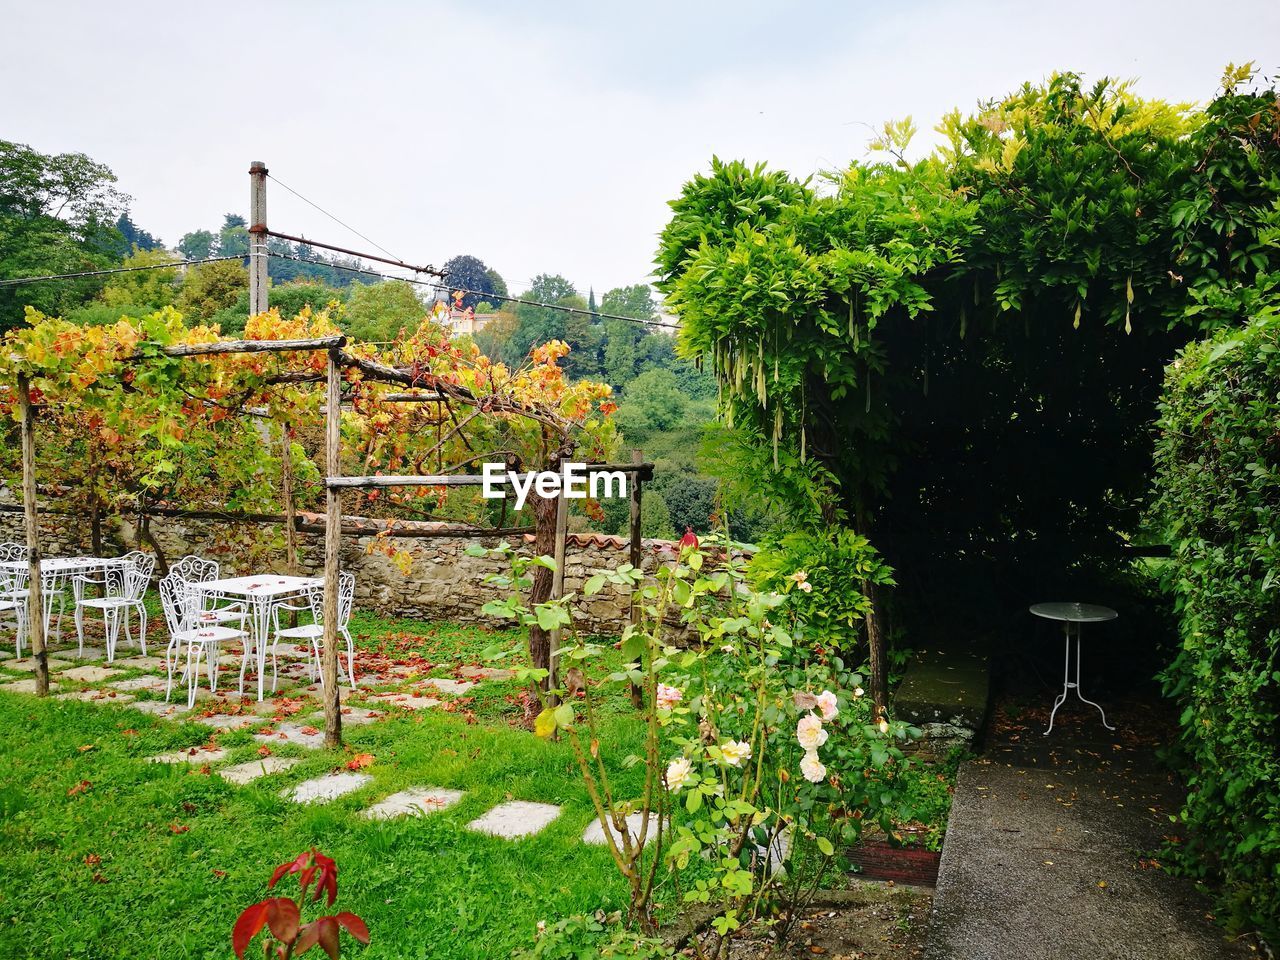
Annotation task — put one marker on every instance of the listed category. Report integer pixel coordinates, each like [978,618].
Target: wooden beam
[35,597]
[248,346]
[639,472]
[413,398]
[332,551]
[426,480]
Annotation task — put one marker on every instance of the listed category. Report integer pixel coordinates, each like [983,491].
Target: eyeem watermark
[576,481]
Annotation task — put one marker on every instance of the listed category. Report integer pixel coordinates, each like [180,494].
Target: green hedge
[1218,495]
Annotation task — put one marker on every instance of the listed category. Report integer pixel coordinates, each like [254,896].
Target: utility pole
[257,237]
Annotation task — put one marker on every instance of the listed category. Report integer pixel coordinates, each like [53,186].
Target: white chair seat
[10,604]
[209,634]
[307,632]
[106,603]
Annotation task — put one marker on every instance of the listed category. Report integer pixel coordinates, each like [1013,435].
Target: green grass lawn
[154,860]
[157,860]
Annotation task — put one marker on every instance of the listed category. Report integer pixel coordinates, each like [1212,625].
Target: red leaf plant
[282,917]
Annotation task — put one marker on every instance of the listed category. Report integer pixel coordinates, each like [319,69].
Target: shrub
[1218,490]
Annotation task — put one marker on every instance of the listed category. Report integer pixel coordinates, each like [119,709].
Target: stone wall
[442,583]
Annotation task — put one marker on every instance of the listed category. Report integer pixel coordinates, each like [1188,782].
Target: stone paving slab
[98,696]
[28,664]
[352,717]
[406,701]
[90,674]
[242,773]
[24,686]
[594,834]
[486,673]
[416,801]
[446,685]
[156,684]
[160,708]
[515,819]
[191,755]
[227,721]
[140,663]
[73,653]
[300,734]
[329,787]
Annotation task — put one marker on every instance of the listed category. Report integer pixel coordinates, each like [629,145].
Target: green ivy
[1218,488]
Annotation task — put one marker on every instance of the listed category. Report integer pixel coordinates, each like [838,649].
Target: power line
[479,293]
[332,217]
[13,281]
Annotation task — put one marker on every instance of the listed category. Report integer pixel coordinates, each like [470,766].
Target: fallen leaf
[264,751]
[92,859]
[360,761]
[178,828]
[86,748]
[80,787]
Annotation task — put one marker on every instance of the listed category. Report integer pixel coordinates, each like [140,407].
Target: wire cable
[13,281]
[333,218]
[480,293]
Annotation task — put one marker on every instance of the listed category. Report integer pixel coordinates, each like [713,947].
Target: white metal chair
[195,569]
[13,603]
[184,612]
[123,589]
[314,632]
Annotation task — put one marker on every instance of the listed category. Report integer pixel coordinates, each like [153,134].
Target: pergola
[442,390]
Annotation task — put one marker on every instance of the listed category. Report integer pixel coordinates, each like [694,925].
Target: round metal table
[1078,614]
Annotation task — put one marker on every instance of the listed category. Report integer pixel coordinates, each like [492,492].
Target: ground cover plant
[105,854]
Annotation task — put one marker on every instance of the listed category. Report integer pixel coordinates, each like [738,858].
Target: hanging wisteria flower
[679,771]
[811,767]
[810,733]
[668,697]
[802,581]
[827,705]
[735,751]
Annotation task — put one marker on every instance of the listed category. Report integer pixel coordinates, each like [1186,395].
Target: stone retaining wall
[442,582]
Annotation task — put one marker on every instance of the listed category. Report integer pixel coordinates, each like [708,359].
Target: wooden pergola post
[332,551]
[637,456]
[557,578]
[35,596]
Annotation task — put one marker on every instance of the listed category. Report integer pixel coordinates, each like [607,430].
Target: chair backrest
[346,599]
[195,569]
[174,599]
[144,563]
[9,550]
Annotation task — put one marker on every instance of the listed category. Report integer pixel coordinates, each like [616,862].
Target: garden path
[1052,846]
[142,685]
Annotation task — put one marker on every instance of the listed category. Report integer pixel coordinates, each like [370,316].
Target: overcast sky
[541,136]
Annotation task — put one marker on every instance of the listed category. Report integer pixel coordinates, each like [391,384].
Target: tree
[653,402]
[197,245]
[380,311]
[634,301]
[55,216]
[540,324]
[210,287]
[134,237]
[233,238]
[471,273]
[145,291]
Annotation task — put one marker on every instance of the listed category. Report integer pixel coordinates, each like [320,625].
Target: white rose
[827,705]
[735,751]
[679,771]
[812,767]
[810,733]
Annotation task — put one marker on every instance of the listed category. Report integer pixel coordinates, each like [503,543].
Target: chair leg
[80,628]
[142,627]
[193,673]
[351,657]
[111,620]
[213,668]
[168,670]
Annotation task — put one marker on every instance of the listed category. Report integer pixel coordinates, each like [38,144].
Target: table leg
[261,613]
[1082,697]
[1067,683]
[1066,675]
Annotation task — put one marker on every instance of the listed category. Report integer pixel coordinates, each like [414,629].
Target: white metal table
[54,572]
[259,593]
[1078,614]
